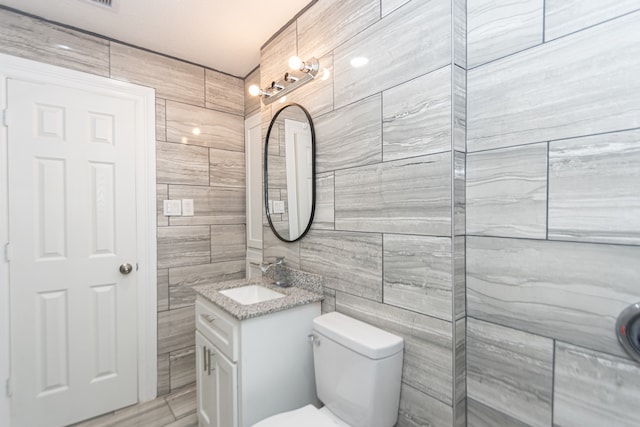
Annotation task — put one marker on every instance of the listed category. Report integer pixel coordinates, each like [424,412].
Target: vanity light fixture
[303,72]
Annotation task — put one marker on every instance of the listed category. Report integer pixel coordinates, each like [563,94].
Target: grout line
[553,380]
[547,198]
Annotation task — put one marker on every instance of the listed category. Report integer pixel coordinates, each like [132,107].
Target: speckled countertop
[295,296]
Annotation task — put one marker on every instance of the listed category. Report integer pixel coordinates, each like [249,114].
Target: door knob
[126,268]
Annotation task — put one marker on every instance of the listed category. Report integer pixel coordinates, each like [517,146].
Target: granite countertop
[295,296]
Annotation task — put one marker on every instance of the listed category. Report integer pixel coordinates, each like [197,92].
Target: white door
[254,194]
[299,174]
[72,224]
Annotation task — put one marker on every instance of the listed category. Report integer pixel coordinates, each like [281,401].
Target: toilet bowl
[358,370]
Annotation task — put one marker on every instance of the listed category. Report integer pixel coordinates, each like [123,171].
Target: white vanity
[253,360]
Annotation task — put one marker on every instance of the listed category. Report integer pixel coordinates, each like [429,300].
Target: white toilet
[358,368]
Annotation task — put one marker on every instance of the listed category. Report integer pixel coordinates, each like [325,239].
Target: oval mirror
[289,173]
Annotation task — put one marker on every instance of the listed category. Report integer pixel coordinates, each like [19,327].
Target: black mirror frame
[313,173]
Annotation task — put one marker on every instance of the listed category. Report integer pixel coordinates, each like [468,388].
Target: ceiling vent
[107,4]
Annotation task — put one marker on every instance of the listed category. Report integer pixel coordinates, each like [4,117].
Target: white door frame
[144,98]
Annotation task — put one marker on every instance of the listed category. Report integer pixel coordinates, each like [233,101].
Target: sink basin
[251,294]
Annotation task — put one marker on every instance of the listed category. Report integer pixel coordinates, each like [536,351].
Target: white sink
[251,294]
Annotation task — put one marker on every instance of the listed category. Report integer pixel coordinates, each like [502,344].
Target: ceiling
[225,35]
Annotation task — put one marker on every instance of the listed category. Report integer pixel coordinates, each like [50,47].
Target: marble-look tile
[181,246]
[224,92]
[416,118]
[594,389]
[317,95]
[212,205]
[479,415]
[273,247]
[161,119]
[181,164]
[46,42]
[176,329]
[192,125]
[226,168]
[183,279]
[328,24]
[566,16]
[594,188]
[183,401]
[324,215]
[152,413]
[459,193]
[274,56]
[459,277]
[171,78]
[568,291]
[577,85]
[329,301]
[506,192]
[417,274]
[395,55]
[164,385]
[403,196]
[459,32]
[350,136]
[510,371]
[460,413]
[251,103]
[188,421]
[183,369]
[460,376]
[459,109]
[418,409]
[163,289]
[498,28]
[349,262]
[428,344]
[162,194]
[228,242]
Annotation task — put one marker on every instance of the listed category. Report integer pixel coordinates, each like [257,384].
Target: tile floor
[177,409]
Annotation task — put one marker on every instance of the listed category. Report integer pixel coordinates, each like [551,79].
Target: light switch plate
[172,207]
[187,207]
[278,206]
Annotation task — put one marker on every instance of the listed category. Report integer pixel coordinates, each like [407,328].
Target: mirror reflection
[289,173]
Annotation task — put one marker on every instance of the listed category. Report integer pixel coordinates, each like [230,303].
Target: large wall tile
[498,28]
[161,119]
[274,56]
[566,16]
[459,109]
[480,415]
[176,329]
[162,194]
[577,85]
[182,363]
[510,371]
[403,196]
[181,164]
[563,290]
[506,192]
[228,242]
[407,54]
[419,409]
[328,24]
[224,92]
[164,385]
[163,289]
[460,377]
[428,343]
[349,136]
[459,278]
[273,247]
[594,389]
[389,6]
[41,41]
[171,78]
[226,168]
[212,205]
[317,95]
[459,193]
[417,274]
[594,188]
[417,116]
[199,126]
[459,35]
[251,103]
[349,262]
[180,246]
[325,211]
[183,279]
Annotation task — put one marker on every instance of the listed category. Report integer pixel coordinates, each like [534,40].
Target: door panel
[72,224]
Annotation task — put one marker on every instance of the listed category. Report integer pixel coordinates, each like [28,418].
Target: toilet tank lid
[359,336]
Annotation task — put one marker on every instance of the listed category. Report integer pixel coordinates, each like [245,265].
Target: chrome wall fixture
[301,73]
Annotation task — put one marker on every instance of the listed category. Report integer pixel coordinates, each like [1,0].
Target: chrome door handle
[126,268]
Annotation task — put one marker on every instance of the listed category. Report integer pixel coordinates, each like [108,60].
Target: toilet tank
[358,370]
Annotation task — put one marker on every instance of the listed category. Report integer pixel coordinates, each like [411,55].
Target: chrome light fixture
[303,72]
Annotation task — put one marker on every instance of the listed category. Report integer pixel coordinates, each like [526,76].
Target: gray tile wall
[389,181]
[553,199]
[208,168]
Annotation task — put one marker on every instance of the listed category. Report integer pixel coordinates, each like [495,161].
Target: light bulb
[254,90]
[295,63]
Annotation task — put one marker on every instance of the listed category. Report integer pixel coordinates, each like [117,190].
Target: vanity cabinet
[253,368]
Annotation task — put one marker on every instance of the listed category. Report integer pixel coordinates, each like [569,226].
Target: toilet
[358,369]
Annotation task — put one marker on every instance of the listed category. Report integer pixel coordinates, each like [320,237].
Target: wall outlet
[172,207]
[187,207]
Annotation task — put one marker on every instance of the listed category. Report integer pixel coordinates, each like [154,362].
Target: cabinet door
[226,390]
[205,383]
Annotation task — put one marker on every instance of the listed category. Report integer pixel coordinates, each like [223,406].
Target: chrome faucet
[266,266]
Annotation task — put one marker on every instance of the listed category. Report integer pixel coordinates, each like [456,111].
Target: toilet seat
[307,416]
